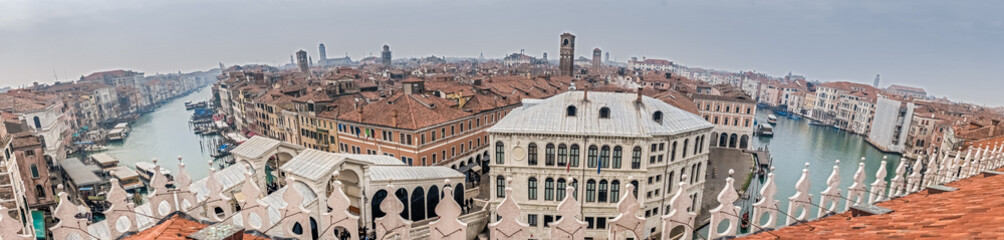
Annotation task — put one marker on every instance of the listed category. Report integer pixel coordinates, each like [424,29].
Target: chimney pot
[639,95]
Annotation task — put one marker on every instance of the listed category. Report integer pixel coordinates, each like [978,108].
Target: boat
[119,133]
[146,170]
[794,117]
[818,123]
[771,119]
[765,131]
[781,113]
[95,148]
[189,105]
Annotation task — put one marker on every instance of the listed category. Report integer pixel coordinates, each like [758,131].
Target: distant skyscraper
[323,54]
[301,58]
[567,54]
[876,81]
[385,56]
[596,57]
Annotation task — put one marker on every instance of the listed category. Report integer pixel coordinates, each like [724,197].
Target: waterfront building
[732,112]
[598,143]
[906,91]
[846,105]
[12,188]
[34,171]
[892,124]
[651,64]
[44,115]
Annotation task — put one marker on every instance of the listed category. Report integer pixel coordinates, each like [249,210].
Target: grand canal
[165,134]
[795,143]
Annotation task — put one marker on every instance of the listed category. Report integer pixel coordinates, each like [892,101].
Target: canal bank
[165,134]
[796,143]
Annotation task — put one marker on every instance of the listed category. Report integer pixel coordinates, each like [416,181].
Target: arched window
[615,190]
[34,171]
[657,117]
[686,142]
[744,141]
[432,200]
[604,112]
[500,186]
[605,157]
[635,192]
[549,189]
[532,188]
[636,158]
[697,173]
[716,120]
[693,172]
[39,191]
[602,196]
[590,191]
[697,142]
[38,123]
[417,204]
[561,189]
[562,155]
[573,155]
[591,158]
[378,198]
[732,140]
[499,153]
[748,109]
[531,154]
[575,188]
[727,109]
[570,111]
[672,155]
[617,157]
[549,155]
[669,183]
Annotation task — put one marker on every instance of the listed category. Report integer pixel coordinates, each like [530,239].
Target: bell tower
[567,54]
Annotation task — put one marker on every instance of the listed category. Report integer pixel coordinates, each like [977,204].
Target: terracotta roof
[414,111]
[972,212]
[176,227]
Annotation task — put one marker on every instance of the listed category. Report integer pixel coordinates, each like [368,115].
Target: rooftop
[972,212]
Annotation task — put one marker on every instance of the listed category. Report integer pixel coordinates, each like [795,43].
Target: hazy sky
[951,48]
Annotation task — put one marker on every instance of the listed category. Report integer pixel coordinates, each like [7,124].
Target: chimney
[394,118]
[639,95]
[361,112]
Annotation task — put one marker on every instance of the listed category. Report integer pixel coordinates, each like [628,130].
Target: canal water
[795,143]
[165,134]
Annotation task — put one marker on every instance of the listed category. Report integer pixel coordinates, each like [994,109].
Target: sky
[950,48]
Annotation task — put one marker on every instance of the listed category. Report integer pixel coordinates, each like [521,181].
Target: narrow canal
[796,143]
[165,134]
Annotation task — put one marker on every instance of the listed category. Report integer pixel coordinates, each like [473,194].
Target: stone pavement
[720,160]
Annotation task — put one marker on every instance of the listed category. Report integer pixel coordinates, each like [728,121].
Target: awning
[476,168]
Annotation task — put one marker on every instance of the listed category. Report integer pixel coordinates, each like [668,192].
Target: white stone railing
[277,219]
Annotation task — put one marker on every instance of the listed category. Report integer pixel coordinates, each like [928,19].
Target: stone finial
[627,218]
[767,204]
[449,226]
[216,199]
[963,171]
[69,226]
[392,225]
[293,211]
[162,202]
[856,192]
[726,210]
[913,181]
[339,216]
[678,215]
[253,213]
[932,173]
[897,186]
[11,227]
[568,226]
[509,226]
[120,214]
[182,184]
[801,199]
[829,198]
[878,193]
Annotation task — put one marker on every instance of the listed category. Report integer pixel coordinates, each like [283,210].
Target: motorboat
[771,119]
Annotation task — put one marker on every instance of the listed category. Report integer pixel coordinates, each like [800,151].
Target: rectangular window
[421,139]
[589,220]
[531,218]
[601,223]
[548,219]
